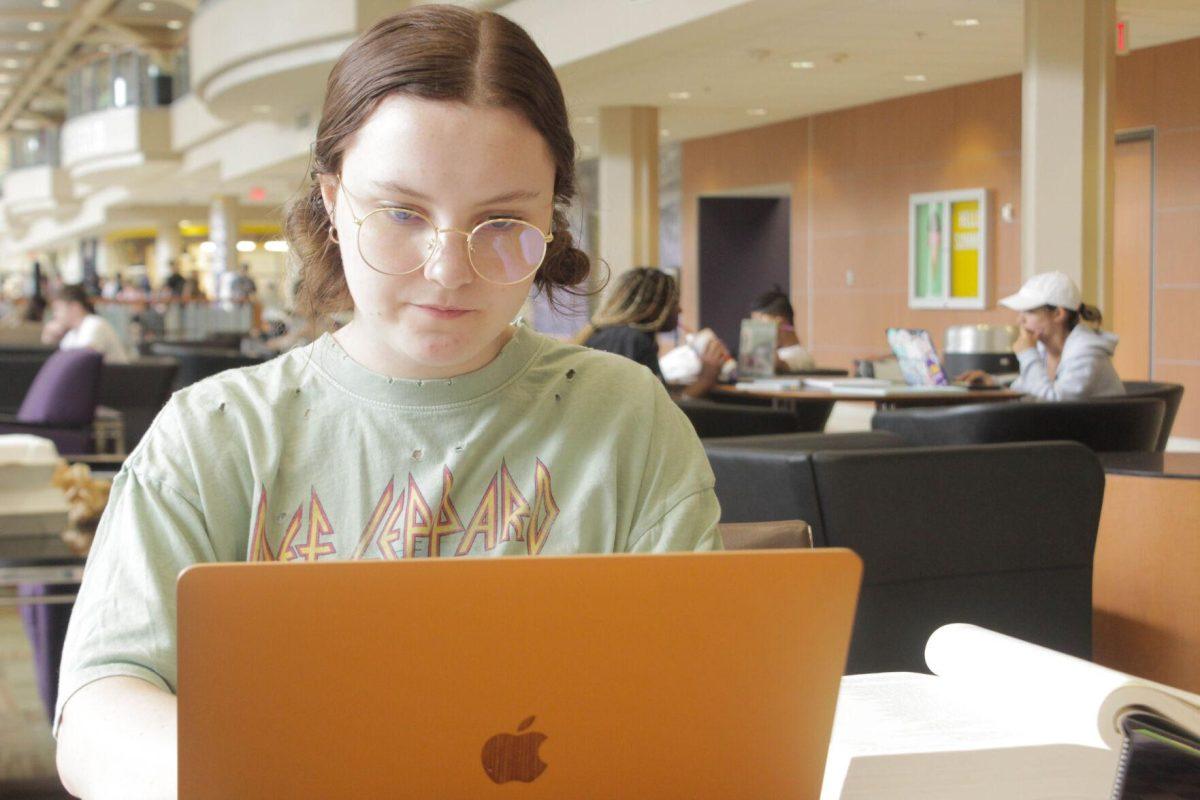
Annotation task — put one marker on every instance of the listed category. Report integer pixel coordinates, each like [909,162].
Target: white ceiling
[740,58]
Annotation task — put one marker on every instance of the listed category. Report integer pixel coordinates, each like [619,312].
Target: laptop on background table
[697,675]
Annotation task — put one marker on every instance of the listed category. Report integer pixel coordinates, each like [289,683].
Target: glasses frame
[437,238]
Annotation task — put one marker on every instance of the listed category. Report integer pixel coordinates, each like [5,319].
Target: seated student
[1060,359]
[443,167]
[75,323]
[643,304]
[774,306]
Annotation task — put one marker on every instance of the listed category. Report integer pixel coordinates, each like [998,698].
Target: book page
[1077,701]
[890,726]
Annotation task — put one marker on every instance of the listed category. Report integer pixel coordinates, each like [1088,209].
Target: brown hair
[433,52]
[75,293]
[1089,314]
[644,299]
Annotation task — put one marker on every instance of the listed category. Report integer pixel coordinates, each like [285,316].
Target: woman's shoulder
[597,369]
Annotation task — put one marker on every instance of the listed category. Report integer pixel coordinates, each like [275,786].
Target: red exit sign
[1122,37]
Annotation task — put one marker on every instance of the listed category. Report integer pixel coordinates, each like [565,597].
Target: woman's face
[458,165]
[1042,322]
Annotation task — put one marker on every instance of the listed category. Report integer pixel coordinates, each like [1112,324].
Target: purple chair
[61,403]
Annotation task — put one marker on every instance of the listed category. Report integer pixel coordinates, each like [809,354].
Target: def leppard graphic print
[405,524]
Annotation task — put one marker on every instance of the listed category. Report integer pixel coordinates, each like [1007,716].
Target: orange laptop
[705,675]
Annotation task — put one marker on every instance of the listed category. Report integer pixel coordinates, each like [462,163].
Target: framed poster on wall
[948,238]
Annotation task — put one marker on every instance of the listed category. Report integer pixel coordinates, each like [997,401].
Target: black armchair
[1001,536]
[1104,425]
[1170,393]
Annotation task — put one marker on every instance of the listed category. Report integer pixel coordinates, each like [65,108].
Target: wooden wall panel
[865,161]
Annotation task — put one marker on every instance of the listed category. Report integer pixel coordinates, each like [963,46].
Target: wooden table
[790,398]
[1145,586]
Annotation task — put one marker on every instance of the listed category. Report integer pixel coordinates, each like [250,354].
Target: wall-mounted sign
[948,237]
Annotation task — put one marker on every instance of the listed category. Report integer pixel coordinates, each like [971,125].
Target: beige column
[628,229]
[223,232]
[168,244]
[1067,142]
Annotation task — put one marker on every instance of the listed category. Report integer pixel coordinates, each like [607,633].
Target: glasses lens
[395,241]
[507,251]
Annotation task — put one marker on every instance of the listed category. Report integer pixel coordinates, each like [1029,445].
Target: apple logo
[507,757]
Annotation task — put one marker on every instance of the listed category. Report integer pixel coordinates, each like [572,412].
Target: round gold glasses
[397,241]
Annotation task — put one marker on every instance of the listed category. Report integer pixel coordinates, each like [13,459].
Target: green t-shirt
[550,448]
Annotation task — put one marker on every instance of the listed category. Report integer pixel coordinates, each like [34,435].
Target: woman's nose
[450,264]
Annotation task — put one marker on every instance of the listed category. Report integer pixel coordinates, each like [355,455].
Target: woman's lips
[443,312]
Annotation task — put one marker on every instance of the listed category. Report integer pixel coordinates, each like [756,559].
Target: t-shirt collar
[514,357]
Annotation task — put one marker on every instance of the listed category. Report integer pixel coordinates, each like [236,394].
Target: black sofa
[1170,393]
[1125,424]
[997,535]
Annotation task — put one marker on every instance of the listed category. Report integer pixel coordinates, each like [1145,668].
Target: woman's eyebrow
[515,196]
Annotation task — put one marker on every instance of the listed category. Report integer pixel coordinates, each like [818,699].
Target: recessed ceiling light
[966,23]
[756,112]
[36,27]
[175,25]
[24,46]
[587,120]
[679,95]
[147,6]
[11,63]
[51,3]
[5,78]
[262,109]
[803,65]
[915,78]
[664,133]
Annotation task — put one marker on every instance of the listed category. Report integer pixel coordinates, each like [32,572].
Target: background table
[790,398]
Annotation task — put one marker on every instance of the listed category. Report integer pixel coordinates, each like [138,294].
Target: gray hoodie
[1085,369]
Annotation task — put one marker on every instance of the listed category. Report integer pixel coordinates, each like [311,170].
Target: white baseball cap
[1046,289]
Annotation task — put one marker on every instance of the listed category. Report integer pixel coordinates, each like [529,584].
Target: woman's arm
[714,357]
[117,739]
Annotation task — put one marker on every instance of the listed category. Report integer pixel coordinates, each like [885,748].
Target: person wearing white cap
[1060,359]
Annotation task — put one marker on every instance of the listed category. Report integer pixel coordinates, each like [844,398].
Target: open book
[1000,719]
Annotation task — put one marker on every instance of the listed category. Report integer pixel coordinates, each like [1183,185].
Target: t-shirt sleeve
[677,507]
[123,622]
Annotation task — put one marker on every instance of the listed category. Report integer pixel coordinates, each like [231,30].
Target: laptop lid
[698,675]
[918,358]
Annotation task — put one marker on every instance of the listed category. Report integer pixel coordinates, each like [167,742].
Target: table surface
[1153,465]
[904,397]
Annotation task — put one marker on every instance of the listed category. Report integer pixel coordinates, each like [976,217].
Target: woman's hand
[711,360]
[714,357]
[1025,340]
[976,377]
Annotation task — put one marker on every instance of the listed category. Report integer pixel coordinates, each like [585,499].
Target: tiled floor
[26,749]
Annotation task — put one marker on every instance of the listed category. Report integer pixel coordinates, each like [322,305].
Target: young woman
[428,426]
[643,304]
[75,324]
[1060,358]
[774,306]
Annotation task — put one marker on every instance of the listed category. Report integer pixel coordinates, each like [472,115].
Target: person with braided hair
[430,425]
[644,303]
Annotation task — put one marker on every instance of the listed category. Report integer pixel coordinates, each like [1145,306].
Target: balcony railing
[124,79]
[33,149]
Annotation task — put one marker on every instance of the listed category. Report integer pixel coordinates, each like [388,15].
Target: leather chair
[1001,536]
[61,403]
[767,478]
[810,415]
[784,534]
[711,418]
[19,370]
[1170,393]
[1103,424]
[138,390]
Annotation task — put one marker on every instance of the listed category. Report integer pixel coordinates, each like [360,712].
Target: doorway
[1133,254]
[744,251]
